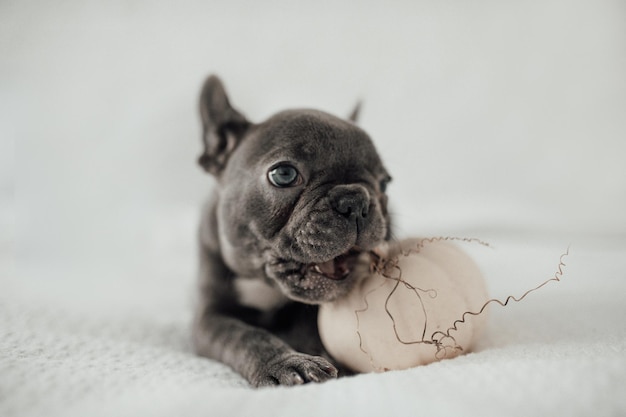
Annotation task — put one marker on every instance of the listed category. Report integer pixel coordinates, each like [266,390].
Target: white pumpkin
[407,318]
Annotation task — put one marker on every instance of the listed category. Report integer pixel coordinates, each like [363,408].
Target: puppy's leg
[259,356]
[223,331]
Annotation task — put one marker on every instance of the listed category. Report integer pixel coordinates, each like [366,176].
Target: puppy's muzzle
[351,201]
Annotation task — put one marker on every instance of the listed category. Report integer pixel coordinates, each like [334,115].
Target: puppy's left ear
[354,116]
[223,126]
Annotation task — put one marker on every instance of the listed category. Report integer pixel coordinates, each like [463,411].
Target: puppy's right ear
[223,126]
[354,116]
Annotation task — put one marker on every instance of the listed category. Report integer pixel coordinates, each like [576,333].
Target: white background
[490,115]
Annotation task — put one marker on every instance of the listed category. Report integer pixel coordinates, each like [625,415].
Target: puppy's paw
[295,369]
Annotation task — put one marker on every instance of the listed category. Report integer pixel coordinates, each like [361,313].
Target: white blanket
[561,351]
[504,123]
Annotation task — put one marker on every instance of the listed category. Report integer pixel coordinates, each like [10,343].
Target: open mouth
[337,268]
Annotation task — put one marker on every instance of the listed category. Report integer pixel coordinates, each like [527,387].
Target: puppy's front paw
[295,369]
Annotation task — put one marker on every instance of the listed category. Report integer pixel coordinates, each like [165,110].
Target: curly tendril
[443,341]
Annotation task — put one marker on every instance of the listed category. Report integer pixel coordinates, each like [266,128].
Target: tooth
[317,269]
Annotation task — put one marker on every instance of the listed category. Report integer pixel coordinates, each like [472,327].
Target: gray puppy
[298,198]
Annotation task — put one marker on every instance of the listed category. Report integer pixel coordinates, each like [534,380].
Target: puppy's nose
[351,201]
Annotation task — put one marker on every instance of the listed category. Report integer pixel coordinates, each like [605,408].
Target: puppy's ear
[223,126]
[354,116]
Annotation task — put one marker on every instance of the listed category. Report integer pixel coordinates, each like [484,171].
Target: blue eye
[283,176]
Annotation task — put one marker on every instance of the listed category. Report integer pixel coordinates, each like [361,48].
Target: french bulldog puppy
[297,199]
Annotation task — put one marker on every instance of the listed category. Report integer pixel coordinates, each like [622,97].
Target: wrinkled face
[305,197]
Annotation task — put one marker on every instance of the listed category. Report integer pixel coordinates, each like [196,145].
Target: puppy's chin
[317,283]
